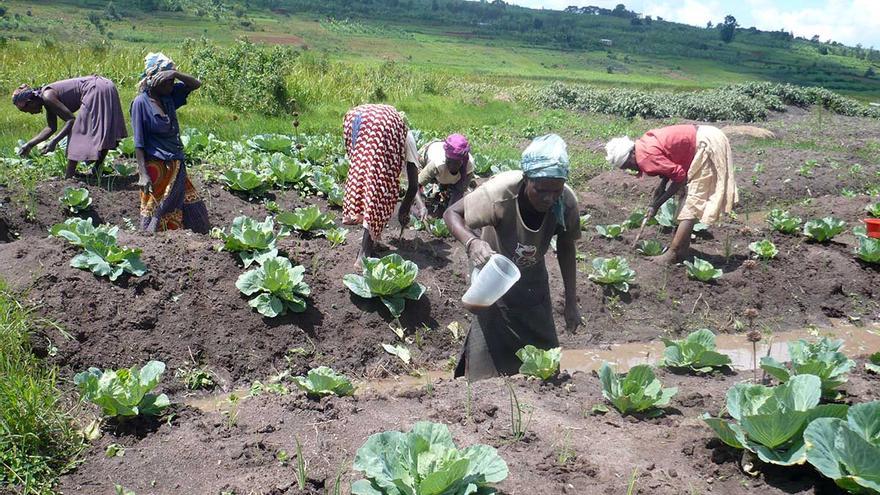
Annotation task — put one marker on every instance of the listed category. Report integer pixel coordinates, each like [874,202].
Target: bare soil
[187,308]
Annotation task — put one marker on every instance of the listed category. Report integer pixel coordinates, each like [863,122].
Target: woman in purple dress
[92,115]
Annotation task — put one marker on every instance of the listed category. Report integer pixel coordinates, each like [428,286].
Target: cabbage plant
[252,240]
[821,358]
[326,185]
[696,351]
[392,279]
[309,219]
[124,169]
[336,236]
[848,451]
[634,221]
[650,247]
[437,227]
[611,231]
[782,221]
[278,286]
[770,421]
[323,381]
[540,363]
[873,209]
[104,258]
[75,199]
[126,146]
[80,231]
[873,364]
[243,180]
[584,220]
[825,229]
[613,272]
[425,461]
[124,392]
[868,250]
[272,143]
[665,216]
[702,270]
[287,171]
[635,391]
[764,249]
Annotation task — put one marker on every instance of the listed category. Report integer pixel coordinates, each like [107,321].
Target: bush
[243,77]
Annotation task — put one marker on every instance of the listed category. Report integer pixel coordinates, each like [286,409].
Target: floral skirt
[174,203]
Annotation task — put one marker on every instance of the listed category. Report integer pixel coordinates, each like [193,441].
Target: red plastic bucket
[873,225]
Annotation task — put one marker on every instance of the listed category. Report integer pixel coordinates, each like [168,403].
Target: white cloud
[694,12]
[846,21]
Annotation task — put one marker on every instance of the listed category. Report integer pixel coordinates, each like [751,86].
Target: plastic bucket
[873,225]
[491,282]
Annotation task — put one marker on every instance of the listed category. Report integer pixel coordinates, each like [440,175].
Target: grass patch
[38,441]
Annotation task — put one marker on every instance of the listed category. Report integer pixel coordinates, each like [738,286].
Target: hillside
[466,39]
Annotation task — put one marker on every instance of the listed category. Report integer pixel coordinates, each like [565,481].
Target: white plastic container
[491,282]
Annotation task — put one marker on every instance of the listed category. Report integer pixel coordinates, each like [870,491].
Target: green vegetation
[770,421]
[100,253]
[764,249]
[323,381]
[124,392]
[821,358]
[244,181]
[873,209]
[638,390]
[702,270]
[612,231]
[823,230]
[392,279]
[540,363]
[650,247]
[613,272]
[847,451]
[308,219]
[868,250]
[38,440]
[252,240]
[75,199]
[437,227]
[782,221]
[336,236]
[696,352]
[80,231]
[423,461]
[278,286]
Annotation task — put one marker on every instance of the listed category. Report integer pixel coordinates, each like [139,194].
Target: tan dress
[711,188]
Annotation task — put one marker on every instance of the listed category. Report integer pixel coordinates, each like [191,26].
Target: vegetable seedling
[278,285]
[392,279]
[323,381]
[764,249]
[650,248]
[702,270]
[309,219]
[124,392]
[824,230]
[613,272]
[75,199]
[847,451]
[783,222]
[539,363]
[821,358]
[696,352]
[611,231]
[635,391]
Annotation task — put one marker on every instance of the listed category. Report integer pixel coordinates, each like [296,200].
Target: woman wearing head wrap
[515,214]
[92,115]
[377,143]
[692,161]
[168,199]
[447,168]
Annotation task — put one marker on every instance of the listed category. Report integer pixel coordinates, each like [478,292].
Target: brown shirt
[494,208]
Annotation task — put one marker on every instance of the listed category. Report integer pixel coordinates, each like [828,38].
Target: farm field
[187,312]
[218,353]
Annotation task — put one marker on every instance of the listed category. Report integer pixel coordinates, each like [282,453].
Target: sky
[847,21]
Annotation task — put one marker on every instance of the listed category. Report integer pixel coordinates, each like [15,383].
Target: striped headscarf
[23,93]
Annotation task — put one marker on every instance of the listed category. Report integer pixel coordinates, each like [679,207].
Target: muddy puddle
[857,341]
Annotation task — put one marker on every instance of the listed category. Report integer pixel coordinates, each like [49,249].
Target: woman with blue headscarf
[168,199]
[516,214]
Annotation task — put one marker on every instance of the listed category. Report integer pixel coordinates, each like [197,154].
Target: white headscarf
[154,63]
[617,151]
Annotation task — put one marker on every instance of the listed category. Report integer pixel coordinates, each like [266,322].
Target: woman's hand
[145,183]
[164,76]
[50,147]
[25,150]
[479,251]
[650,212]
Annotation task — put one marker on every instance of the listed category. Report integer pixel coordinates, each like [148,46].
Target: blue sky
[846,21]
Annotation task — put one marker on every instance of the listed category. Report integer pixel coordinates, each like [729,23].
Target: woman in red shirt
[692,161]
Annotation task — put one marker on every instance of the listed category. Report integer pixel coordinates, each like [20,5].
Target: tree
[434,5]
[728,28]
[709,25]
[815,38]
[619,10]
[537,23]
[870,72]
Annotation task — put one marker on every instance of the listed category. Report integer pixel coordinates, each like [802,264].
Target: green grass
[37,439]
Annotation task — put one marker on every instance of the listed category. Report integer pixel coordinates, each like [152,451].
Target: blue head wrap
[547,158]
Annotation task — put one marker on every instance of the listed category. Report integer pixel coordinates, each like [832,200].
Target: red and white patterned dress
[375,142]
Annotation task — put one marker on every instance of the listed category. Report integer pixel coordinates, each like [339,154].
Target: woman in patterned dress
[92,115]
[377,143]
